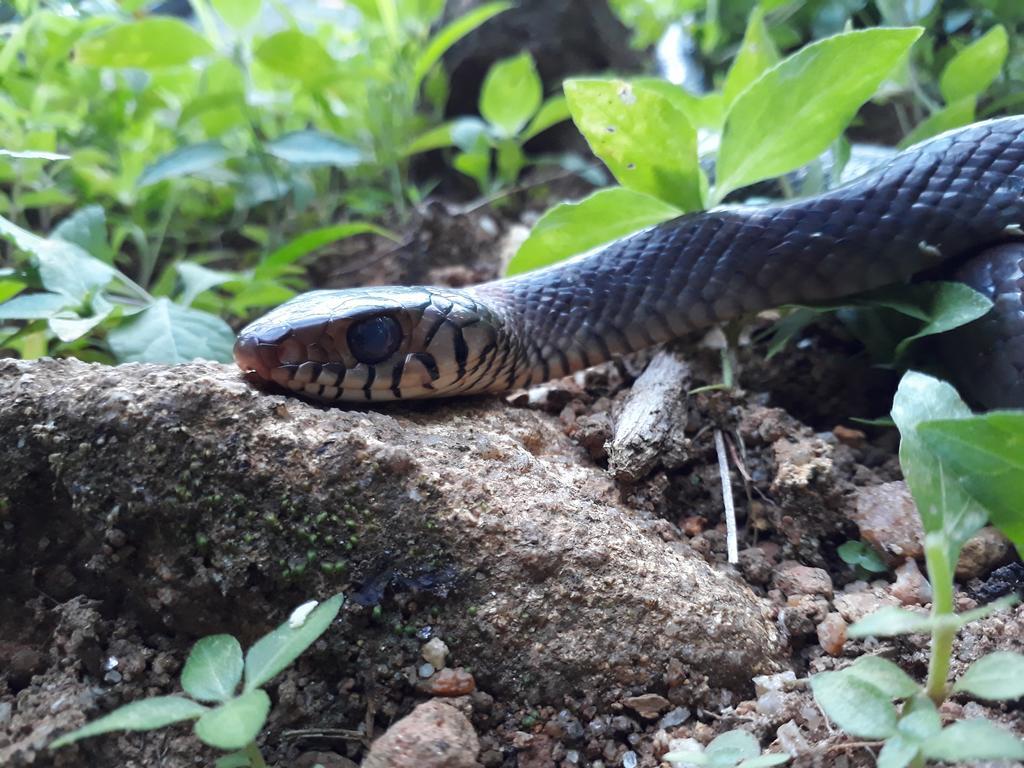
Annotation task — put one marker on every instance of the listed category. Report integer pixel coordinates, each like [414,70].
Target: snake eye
[373,340]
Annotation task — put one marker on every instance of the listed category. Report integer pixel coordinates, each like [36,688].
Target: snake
[951,206]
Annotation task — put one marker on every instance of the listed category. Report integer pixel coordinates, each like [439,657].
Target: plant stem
[255,756]
[937,561]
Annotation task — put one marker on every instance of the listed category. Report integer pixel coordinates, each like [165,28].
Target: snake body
[953,205]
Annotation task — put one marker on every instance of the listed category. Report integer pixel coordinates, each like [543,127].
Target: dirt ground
[574,572]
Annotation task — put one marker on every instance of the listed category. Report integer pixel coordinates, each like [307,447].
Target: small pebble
[425,670]
[677,716]
[451,682]
[435,652]
[629,760]
[832,634]
[911,587]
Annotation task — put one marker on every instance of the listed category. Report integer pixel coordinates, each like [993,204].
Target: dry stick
[730,508]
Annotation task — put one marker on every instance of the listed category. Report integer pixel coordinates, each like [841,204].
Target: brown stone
[434,735]
[888,520]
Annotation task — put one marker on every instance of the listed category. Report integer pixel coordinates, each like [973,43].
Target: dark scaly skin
[945,203]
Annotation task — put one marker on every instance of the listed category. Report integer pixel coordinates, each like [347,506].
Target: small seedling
[732,749]
[862,557]
[228,719]
[945,453]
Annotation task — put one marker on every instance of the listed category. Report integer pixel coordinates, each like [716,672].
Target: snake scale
[952,206]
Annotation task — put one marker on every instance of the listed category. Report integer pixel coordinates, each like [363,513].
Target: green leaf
[883,675]
[551,112]
[165,332]
[511,94]
[756,55]
[857,553]
[946,509]
[942,306]
[732,746]
[974,68]
[87,228]
[35,306]
[237,13]
[898,752]
[568,229]
[976,614]
[996,677]
[184,161]
[275,651]
[296,55]
[890,621]
[856,706]
[150,43]
[687,758]
[985,453]
[706,111]
[234,760]
[196,278]
[450,35]
[213,668]
[236,722]
[819,89]
[68,326]
[974,740]
[276,262]
[315,148]
[960,112]
[10,289]
[647,143]
[142,715]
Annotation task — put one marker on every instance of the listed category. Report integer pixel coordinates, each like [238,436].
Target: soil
[589,613]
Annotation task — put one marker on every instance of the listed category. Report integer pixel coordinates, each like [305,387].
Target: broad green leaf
[511,94]
[976,614]
[86,228]
[165,332]
[974,740]
[477,165]
[954,115]
[647,143]
[35,306]
[10,289]
[919,719]
[891,621]
[150,43]
[315,148]
[213,668]
[986,455]
[184,161]
[196,278]
[438,137]
[733,746]
[705,111]
[856,706]
[275,263]
[275,651]
[551,112]
[68,326]
[142,715]
[996,677]
[295,54]
[756,55]
[883,675]
[573,228]
[973,69]
[234,760]
[942,306]
[898,752]
[857,553]
[946,510]
[251,294]
[236,722]
[687,758]
[237,13]
[818,89]
[450,34]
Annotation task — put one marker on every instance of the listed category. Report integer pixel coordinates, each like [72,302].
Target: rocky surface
[190,503]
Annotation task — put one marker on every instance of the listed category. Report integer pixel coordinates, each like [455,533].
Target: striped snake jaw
[376,344]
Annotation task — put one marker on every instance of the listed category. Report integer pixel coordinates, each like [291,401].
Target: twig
[730,509]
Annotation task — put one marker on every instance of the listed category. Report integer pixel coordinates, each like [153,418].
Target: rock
[544,576]
[435,652]
[853,606]
[796,579]
[849,436]
[648,705]
[451,682]
[888,520]
[982,553]
[911,587]
[434,735]
[832,634]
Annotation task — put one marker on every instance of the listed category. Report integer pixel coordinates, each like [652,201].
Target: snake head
[372,344]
